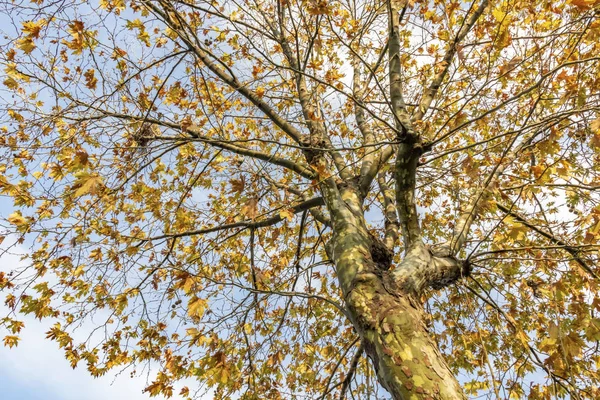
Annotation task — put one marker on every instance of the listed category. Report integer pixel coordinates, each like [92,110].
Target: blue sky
[36,369]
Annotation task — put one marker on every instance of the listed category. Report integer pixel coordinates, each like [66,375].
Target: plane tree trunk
[384,305]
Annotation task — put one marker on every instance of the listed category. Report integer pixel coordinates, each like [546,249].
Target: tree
[309,199]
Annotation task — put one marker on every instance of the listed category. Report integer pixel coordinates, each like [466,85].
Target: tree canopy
[307,198]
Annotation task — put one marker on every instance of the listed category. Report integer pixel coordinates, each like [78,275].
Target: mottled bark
[383,303]
[391,325]
[384,307]
[405,175]
[409,146]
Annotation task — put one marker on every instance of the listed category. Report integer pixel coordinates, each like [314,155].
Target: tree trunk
[385,311]
[406,359]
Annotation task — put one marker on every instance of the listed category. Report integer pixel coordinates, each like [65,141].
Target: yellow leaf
[154,389]
[584,4]
[196,307]
[192,332]
[12,72]
[224,375]
[188,284]
[517,230]
[10,83]
[319,7]
[113,5]
[32,28]
[26,44]
[17,219]
[238,185]
[572,345]
[78,271]
[250,208]
[499,14]
[80,38]
[11,341]
[139,26]
[56,172]
[88,183]
[16,116]
[595,125]
[444,35]
[90,79]
[286,214]
[135,24]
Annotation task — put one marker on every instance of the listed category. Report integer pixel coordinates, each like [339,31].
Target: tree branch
[395,14]
[195,134]
[306,205]
[391,217]
[351,370]
[430,93]
[315,124]
[227,77]
[569,249]
[409,149]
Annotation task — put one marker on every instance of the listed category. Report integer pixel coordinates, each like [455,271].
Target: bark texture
[384,307]
[406,359]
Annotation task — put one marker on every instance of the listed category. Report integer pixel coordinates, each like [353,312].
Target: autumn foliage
[271,199]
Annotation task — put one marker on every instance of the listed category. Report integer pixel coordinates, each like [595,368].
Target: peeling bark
[383,304]
[406,359]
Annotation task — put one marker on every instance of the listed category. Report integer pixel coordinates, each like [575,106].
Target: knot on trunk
[429,267]
[446,270]
[313,148]
[380,254]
